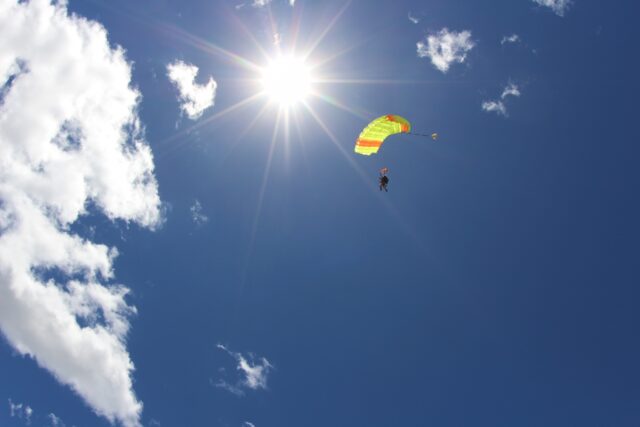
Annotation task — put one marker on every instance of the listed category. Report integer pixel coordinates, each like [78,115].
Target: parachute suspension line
[433,136]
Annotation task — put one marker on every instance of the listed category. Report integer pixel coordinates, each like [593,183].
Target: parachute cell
[372,137]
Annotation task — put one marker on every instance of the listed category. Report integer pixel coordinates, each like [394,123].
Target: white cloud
[413,18]
[248,424]
[510,90]
[69,138]
[499,106]
[445,48]
[55,420]
[559,7]
[253,373]
[195,98]
[260,3]
[196,214]
[20,411]
[513,38]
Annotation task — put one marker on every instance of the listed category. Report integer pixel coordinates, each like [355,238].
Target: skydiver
[384,181]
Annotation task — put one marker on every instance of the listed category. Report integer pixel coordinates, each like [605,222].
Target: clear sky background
[495,284]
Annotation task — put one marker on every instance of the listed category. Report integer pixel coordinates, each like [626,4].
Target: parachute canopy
[377,131]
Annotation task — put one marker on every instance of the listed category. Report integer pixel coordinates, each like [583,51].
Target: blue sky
[173,255]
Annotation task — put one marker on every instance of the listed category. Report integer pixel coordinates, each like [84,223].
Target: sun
[287,81]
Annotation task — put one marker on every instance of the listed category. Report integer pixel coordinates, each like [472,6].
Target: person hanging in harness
[384,179]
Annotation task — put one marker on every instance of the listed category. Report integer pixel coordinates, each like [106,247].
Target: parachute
[372,137]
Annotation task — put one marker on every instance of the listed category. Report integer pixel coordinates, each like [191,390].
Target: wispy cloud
[26,415]
[495,106]
[195,98]
[498,106]
[413,18]
[513,38]
[65,146]
[260,3]
[253,373]
[510,90]
[248,424]
[445,48]
[55,420]
[20,411]
[559,7]
[197,216]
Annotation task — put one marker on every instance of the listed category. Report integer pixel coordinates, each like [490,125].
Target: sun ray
[163,143]
[249,34]
[295,27]
[253,122]
[265,178]
[335,142]
[261,194]
[142,18]
[274,28]
[320,62]
[364,115]
[208,47]
[296,121]
[333,22]
[328,80]
[287,145]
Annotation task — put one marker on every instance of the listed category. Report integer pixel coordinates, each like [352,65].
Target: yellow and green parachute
[372,137]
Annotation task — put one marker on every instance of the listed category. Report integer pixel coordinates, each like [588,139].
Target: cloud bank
[445,48]
[65,147]
[194,98]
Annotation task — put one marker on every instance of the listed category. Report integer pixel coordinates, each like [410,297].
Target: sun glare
[286,81]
